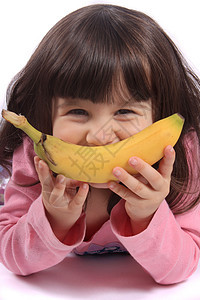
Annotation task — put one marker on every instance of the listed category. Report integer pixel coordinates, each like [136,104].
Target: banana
[95,164]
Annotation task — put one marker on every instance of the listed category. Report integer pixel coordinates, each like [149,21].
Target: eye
[78,112]
[125,115]
[124,112]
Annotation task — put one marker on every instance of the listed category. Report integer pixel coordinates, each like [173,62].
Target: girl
[101,74]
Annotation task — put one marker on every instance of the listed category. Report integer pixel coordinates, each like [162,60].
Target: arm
[167,246]
[168,249]
[27,241]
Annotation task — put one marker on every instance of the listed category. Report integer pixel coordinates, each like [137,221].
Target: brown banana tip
[180,116]
[12,117]
[2,112]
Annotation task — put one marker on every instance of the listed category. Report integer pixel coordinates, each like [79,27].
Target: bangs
[98,61]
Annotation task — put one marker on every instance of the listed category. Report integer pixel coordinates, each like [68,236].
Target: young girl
[100,75]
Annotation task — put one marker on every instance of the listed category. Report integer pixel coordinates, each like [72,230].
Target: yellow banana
[95,164]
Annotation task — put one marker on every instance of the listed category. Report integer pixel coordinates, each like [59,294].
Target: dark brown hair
[84,56]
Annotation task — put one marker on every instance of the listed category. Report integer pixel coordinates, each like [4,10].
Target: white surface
[98,277]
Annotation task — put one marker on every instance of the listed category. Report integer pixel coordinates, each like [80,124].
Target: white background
[24,23]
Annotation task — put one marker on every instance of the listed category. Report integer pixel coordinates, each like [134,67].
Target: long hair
[86,55]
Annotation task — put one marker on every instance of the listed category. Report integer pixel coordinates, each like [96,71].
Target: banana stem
[22,123]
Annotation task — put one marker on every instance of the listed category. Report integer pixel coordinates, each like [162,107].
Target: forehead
[131,102]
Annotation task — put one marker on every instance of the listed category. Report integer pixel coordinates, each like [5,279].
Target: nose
[102,136]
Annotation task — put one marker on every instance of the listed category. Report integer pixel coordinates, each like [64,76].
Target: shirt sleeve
[27,242]
[169,247]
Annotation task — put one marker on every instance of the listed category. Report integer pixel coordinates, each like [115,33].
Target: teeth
[95,164]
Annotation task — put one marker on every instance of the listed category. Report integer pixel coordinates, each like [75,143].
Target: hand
[144,192]
[62,201]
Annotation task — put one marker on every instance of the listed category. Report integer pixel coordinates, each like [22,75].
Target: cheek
[69,132]
[147,122]
[144,123]
[63,135]
[134,127]
[65,132]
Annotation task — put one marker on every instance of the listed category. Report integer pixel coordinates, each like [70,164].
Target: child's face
[85,123]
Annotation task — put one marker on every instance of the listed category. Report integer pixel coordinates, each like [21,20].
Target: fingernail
[36,162]
[116,172]
[170,148]
[84,186]
[111,185]
[40,164]
[61,179]
[133,161]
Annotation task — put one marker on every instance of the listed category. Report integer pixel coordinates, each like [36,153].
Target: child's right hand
[62,201]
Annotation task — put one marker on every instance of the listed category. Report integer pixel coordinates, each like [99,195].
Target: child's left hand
[144,192]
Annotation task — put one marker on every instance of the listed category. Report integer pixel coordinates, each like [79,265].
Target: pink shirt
[168,249]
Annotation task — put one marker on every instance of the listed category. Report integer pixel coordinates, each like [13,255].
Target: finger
[141,178]
[122,191]
[152,176]
[71,187]
[64,190]
[36,161]
[72,183]
[57,198]
[81,195]
[44,175]
[41,168]
[133,184]
[166,164]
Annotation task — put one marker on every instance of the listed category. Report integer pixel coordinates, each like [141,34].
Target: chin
[99,185]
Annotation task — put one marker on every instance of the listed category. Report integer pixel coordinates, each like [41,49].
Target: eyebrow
[77,101]
[141,104]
